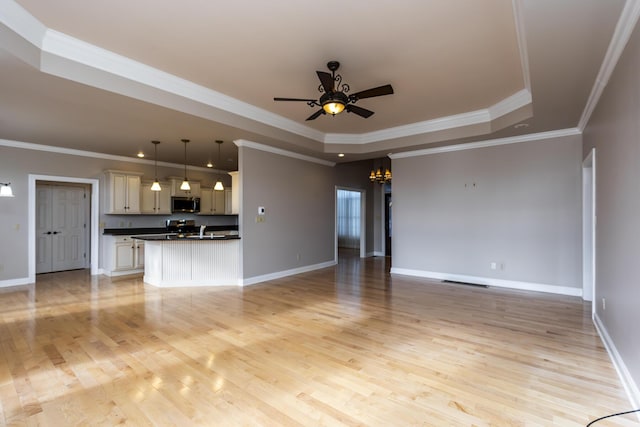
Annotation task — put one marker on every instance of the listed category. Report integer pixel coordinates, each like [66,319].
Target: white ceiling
[111,76]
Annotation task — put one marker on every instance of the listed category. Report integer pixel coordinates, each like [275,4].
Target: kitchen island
[174,260]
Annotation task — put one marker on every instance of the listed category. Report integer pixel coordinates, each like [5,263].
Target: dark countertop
[187,237]
[160,230]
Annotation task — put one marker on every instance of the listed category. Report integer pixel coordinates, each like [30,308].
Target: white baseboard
[630,387]
[511,284]
[279,274]
[376,253]
[122,273]
[15,282]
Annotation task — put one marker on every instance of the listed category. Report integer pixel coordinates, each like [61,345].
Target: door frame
[94,224]
[589,228]
[363,220]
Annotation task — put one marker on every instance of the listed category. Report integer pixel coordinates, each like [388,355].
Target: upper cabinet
[212,202]
[122,192]
[155,202]
[177,192]
[235,192]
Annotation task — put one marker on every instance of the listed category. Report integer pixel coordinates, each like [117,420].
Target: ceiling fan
[334,98]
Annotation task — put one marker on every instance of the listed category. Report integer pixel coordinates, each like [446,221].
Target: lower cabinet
[123,255]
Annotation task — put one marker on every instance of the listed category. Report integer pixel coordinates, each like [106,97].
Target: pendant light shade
[219,186]
[156,184]
[185,184]
[5,189]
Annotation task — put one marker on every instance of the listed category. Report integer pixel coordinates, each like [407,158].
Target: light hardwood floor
[349,345]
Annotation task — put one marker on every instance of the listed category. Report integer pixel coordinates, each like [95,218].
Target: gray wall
[299,226]
[614,130]
[16,164]
[517,205]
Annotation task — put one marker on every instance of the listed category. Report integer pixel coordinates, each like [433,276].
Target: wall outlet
[604,304]
[297,257]
[260,218]
[494,265]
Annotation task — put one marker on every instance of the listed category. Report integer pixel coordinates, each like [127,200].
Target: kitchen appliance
[185,204]
[181,227]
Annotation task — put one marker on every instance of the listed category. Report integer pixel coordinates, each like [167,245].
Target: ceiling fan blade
[316,115]
[294,99]
[362,112]
[326,80]
[370,93]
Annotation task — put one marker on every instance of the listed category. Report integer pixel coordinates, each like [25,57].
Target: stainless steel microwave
[185,204]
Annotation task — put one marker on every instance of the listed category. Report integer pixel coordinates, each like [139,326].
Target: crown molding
[518,18]
[95,155]
[21,22]
[624,28]
[507,105]
[77,51]
[281,152]
[55,45]
[488,143]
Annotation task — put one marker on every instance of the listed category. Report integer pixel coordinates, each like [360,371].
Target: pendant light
[156,184]
[219,186]
[185,184]
[5,189]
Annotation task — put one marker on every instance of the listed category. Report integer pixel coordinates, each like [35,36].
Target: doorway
[62,235]
[350,221]
[92,217]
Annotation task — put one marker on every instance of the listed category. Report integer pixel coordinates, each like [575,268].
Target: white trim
[15,282]
[80,52]
[624,29]
[280,274]
[518,17]
[21,22]
[95,155]
[281,152]
[511,284]
[55,45]
[630,387]
[376,253]
[136,272]
[488,143]
[589,228]
[31,215]
[512,103]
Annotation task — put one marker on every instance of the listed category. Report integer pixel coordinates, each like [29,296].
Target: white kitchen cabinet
[122,192]
[228,200]
[138,255]
[212,202]
[155,202]
[235,192]
[177,192]
[123,255]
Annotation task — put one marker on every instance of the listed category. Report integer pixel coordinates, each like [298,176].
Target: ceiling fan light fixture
[333,107]
[334,103]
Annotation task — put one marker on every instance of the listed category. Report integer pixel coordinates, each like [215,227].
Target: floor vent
[465,283]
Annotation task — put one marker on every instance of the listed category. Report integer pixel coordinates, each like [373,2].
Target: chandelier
[376,175]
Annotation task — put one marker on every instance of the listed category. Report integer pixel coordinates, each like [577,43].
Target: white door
[60,228]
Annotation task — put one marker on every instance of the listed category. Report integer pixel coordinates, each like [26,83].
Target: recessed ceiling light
[209,165]
[521,126]
[140,154]
[341,155]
